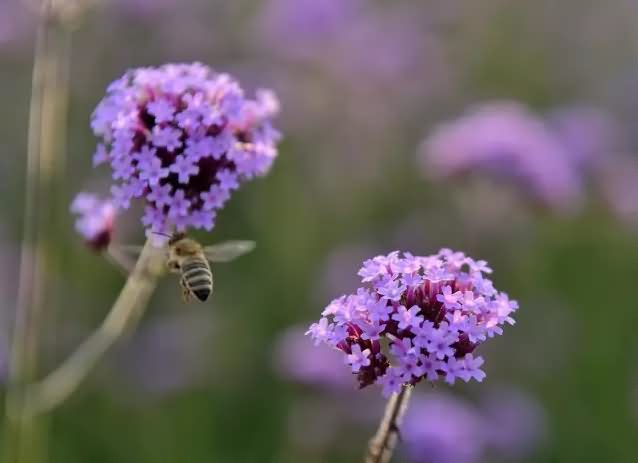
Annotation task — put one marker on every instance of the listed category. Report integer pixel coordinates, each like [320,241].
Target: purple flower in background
[297,26]
[389,45]
[590,135]
[515,423]
[181,137]
[162,359]
[298,360]
[427,335]
[360,43]
[95,221]
[505,141]
[16,22]
[442,429]
[619,183]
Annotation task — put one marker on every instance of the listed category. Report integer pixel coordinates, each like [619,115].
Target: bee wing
[228,250]
[123,256]
[132,250]
[126,251]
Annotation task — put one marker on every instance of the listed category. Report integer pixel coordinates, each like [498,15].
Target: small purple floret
[95,221]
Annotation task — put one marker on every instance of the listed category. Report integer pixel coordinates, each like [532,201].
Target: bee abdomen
[198,278]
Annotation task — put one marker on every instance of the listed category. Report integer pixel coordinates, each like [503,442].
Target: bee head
[178,236]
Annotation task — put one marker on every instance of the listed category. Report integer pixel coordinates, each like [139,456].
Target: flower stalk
[23,438]
[382,445]
[122,318]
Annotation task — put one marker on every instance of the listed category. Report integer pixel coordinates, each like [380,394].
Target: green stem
[125,313]
[24,438]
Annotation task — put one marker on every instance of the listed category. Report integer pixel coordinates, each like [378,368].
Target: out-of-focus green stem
[23,441]
[382,445]
[125,313]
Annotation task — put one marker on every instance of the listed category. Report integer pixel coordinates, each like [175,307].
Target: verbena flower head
[182,138]
[95,219]
[505,141]
[431,312]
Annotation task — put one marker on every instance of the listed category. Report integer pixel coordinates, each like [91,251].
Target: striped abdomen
[197,277]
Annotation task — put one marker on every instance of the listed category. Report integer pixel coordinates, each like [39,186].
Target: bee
[190,260]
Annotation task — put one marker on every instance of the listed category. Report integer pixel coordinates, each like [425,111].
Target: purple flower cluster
[182,137]
[431,311]
[95,221]
[507,142]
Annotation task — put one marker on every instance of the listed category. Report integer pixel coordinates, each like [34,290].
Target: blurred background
[503,129]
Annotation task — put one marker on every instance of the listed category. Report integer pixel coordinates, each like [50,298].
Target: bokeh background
[504,129]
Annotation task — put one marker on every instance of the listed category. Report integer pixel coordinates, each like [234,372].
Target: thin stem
[115,256]
[124,314]
[23,438]
[382,445]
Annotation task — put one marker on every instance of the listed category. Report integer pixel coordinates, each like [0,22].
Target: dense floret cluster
[182,137]
[428,314]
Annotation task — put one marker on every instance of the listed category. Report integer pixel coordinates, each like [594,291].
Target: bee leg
[172,266]
[186,293]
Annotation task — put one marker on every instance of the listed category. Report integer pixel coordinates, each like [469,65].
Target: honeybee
[190,260]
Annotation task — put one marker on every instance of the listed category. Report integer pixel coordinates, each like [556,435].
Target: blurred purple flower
[16,22]
[389,46]
[95,221]
[360,43]
[163,357]
[442,429]
[298,360]
[590,135]
[619,183]
[432,311]
[506,141]
[515,423]
[298,27]
[205,133]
